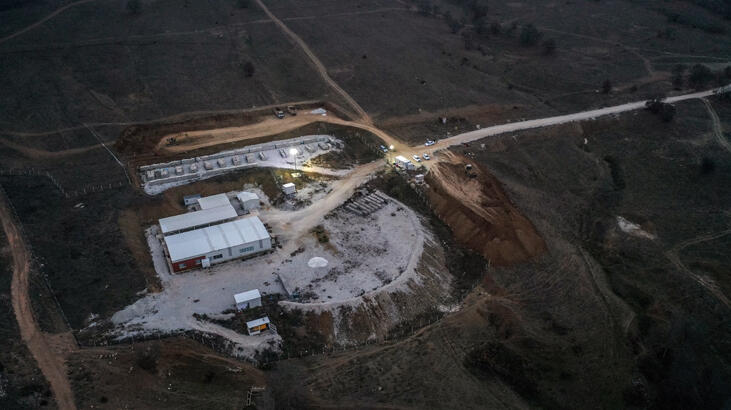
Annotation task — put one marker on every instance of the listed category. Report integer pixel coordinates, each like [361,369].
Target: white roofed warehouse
[198,219]
[217,243]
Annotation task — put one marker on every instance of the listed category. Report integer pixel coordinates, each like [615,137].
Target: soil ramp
[473,204]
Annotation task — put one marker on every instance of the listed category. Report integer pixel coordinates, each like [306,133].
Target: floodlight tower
[293,152]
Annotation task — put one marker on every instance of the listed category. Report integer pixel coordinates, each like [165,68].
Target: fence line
[34,265]
[86,189]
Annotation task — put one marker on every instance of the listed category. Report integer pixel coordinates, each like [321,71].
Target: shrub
[134,6]
[549,47]
[529,35]
[699,76]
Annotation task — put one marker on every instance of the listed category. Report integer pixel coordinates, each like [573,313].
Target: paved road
[51,365]
[562,119]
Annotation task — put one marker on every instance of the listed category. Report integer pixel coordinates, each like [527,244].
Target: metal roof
[213,201]
[247,196]
[247,296]
[201,241]
[401,158]
[197,218]
[288,184]
[258,322]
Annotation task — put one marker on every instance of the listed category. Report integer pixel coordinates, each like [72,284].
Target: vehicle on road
[278,112]
[426,156]
[291,110]
[384,149]
[416,158]
[429,143]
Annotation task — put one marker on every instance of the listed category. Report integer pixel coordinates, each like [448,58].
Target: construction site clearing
[347,257]
[289,154]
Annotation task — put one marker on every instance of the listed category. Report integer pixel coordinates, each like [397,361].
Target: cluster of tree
[242,4]
[698,77]
[665,111]
[134,6]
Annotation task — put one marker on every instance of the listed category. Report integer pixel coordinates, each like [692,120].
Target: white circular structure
[317,262]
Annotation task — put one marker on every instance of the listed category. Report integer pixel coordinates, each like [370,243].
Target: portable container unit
[250,158]
[178,170]
[221,162]
[257,326]
[248,300]
[263,156]
[249,200]
[419,179]
[217,243]
[236,160]
[207,165]
[193,167]
[164,172]
[402,162]
[289,188]
[189,200]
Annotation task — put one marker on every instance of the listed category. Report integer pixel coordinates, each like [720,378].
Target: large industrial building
[198,219]
[213,244]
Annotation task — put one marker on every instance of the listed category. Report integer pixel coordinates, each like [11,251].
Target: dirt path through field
[717,128]
[317,63]
[43,20]
[51,364]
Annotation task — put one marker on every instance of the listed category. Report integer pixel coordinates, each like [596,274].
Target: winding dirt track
[317,63]
[717,128]
[51,364]
[43,20]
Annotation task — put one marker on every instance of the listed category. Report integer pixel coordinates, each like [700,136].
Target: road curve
[316,62]
[51,365]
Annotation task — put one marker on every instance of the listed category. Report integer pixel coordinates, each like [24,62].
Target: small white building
[258,325]
[419,178]
[213,201]
[189,200]
[248,300]
[404,163]
[249,200]
[289,188]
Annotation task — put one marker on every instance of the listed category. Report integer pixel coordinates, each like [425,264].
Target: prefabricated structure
[258,325]
[248,300]
[217,243]
[289,189]
[189,200]
[402,162]
[249,200]
[198,219]
[213,201]
[419,178]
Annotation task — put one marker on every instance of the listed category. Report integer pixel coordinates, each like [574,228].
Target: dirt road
[717,129]
[50,363]
[317,63]
[43,20]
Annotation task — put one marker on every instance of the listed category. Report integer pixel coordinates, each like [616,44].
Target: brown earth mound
[479,213]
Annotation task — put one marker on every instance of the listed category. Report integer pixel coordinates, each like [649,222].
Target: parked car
[416,158]
[291,110]
[429,143]
[384,149]
[278,112]
[426,156]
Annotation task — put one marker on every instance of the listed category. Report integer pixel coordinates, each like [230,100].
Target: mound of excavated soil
[479,213]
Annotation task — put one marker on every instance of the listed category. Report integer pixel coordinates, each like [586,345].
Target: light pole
[293,152]
[390,150]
